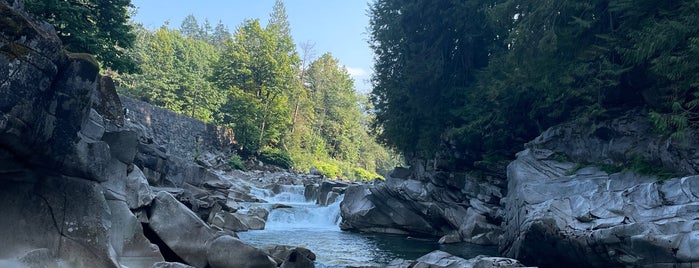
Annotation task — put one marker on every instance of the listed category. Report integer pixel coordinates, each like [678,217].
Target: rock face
[456,205]
[558,215]
[180,135]
[65,201]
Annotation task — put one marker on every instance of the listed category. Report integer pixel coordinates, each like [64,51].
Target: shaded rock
[624,139]
[260,212]
[290,256]
[310,192]
[421,207]
[180,229]
[65,216]
[123,144]
[299,258]
[227,251]
[181,135]
[326,195]
[126,236]
[138,192]
[277,206]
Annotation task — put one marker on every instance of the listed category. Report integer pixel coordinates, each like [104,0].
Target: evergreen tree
[425,56]
[99,27]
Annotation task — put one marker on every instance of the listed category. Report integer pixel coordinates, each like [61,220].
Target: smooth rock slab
[180,229]
[227,251]
[65,218]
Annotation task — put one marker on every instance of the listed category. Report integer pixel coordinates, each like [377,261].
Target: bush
[276,157]
[236,162]
[327,169]
[365,175]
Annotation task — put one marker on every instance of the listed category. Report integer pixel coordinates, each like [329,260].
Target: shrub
[276,157]
[327,169]
[365,175]
[236,162]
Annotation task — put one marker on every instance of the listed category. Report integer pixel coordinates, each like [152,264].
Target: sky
[335,26]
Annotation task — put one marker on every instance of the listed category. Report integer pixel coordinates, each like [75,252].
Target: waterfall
[300,214]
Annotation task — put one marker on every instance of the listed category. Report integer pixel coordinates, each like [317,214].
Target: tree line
[287,108]
[486,76]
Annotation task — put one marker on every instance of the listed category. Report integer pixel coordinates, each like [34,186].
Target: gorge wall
[65,199]
[575,197]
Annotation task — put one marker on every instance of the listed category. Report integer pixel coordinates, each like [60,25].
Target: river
[317,228]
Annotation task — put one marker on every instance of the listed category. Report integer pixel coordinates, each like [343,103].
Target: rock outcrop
[562,211]
[65,200]
[456,206]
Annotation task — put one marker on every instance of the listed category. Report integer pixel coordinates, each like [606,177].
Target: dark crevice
[166,251]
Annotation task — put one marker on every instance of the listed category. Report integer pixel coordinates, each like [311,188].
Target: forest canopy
[488,76]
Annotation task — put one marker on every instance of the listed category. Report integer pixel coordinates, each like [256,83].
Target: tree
[176,71]
[426,54]
[252,64]
[190,28]
[220,35]
[338,118]
[99,27]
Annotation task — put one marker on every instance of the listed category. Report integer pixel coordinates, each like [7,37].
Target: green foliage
[96,27]
[258,73]
[175,71]
[286,111]
[236,162]
[328,169]
[365,175]
[488,76]
[426,53]
[276,157]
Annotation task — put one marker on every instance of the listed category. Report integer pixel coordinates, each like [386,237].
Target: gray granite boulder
[558,215]
[132,248]
[457,205]
[227,251]
[180,229]
[49,220]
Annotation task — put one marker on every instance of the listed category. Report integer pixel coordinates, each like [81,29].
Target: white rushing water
[317,228]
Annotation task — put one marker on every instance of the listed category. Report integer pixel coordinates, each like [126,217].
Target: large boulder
[180,229]
[458,206]
[227,251]
[132,248]
[558,215]
[49,220]
[237,222]
[289,256]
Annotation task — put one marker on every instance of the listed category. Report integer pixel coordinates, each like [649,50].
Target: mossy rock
[14,51]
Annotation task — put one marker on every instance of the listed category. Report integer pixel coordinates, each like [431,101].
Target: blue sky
[335,26]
